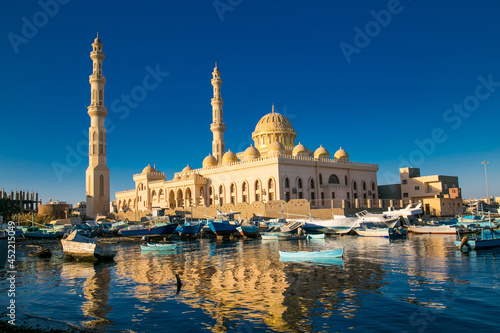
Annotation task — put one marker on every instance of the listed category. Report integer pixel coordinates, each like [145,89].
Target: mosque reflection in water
[230,282]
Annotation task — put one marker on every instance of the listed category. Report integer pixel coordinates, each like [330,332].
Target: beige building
[440,195]
[273,168]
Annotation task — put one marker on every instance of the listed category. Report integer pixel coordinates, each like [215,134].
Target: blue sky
[396,83]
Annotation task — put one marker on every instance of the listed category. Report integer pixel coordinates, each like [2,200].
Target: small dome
[300,150]
[229,157]
[341,154]
[187,169]
[321,152]
[209,161]
[276,146]
[149,169]
[251,152]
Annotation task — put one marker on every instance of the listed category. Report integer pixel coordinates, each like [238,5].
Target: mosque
[273,168]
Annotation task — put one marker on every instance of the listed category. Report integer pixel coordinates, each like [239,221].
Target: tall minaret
[97,175]
[218,127]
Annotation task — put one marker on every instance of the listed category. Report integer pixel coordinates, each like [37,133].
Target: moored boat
[149,229]
[39,233]
[312,254]
[189,229]
[488,238]
[439,229]
[158,247]
[291,237]
[248,230]
[366,231]
[315,236]
[80,247]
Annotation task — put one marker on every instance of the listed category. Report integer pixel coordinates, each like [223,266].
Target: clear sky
[396,83]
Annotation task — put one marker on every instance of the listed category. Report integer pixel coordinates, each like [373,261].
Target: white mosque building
[273,168]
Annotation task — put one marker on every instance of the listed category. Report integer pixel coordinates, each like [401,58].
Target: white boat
[431,229]
[377,220]
[312,254]
[410,210]
[338,225]
[158,247]
[80,247]
[368,229]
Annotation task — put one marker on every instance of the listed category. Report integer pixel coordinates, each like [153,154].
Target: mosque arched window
[363,184]
[354,186]
[312,184]
[333,179]
[287,183]
[345,178]
[299,183]
[320,179]
[101,97]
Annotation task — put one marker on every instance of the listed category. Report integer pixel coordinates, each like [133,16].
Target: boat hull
[223,228]
[85,251]
[312,254]
[158,247]
[149,232]
[443,230]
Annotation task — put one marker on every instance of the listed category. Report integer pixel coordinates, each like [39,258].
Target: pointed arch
[245,190]
[232,191]
[271,189]
[188,197]
[258,189]
[179,198]
[320,179]
[333,179]
[171,199]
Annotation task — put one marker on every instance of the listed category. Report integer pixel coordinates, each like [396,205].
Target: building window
[312,183]
[287,183]
[364,186]
[404,181]
[355,186]
[417,188]
[348,195]
[320,179]
[345,178]
[405,195]
[333,179]
[333,195]
[299,183]
[101,149]
[101,184]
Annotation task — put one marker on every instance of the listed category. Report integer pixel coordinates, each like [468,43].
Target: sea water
[421,284]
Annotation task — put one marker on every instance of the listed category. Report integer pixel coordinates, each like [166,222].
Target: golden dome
[148,169]
[341,154]
[300,150]
[209,161]
[321,152]
[273,122]
[276,146]
[251,152]
[229,157]
[187,169]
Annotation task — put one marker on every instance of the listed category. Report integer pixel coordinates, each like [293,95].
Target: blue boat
[312,254]
[223,227]
[487,239]
[189,229]
[248,230]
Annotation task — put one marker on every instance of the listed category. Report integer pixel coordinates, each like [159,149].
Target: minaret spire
[217,127]
[97,175]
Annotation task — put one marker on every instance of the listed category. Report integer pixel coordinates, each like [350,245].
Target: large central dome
[274,127]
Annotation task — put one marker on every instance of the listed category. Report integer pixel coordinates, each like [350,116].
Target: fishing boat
[440,229]
[486,239]
[338,225]
[154,228]
[367,230]
[78,247]
[158,247]
[291,237]
[41,233]
[225,225]
[189,229]
[312,254]
[248,230]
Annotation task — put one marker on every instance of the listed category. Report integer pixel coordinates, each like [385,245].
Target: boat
[225,225]
[40,251]
[486,239]
[77,246]
[291,237]
[365,230]
[312,254]
[338,225]
[41,233]
[328,261]
[440,229]
[154,228]
[189,229]
[248,230]
[158,247]
[378,220]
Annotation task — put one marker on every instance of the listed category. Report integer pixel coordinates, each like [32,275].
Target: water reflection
[245,286]
[96,289]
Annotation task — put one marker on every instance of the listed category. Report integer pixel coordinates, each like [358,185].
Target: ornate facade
[273,168]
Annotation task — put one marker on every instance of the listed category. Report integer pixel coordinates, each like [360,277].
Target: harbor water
[421,284]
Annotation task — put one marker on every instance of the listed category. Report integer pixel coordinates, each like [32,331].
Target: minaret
[217,127]
[97,175]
